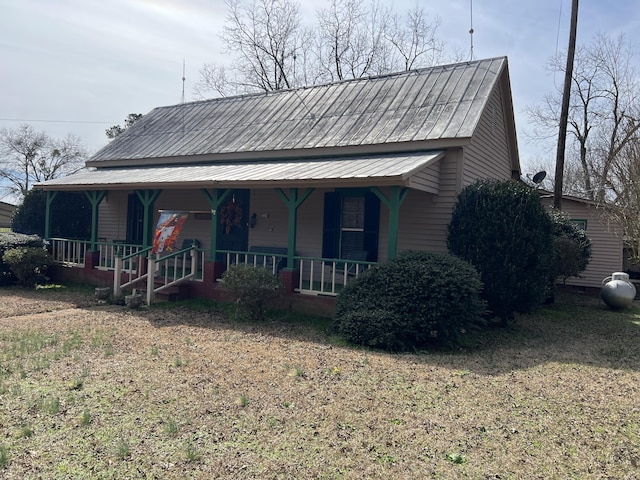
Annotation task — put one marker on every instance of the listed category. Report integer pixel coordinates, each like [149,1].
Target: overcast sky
[80,66]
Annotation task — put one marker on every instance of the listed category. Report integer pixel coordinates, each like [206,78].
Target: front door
[135,220]
[233,229]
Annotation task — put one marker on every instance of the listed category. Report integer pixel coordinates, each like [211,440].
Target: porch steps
[171,294]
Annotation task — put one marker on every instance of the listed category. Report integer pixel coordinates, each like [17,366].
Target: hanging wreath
[231,215]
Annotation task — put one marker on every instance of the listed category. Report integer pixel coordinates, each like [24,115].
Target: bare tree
[624,205]
[273,50]
[115,130]
[415,39]
[604,113]
[28,157]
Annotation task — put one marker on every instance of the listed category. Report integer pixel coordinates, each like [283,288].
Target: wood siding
[488,155]
[424,217]
[606,246]
[427,179]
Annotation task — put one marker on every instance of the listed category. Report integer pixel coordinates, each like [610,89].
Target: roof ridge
[330,84]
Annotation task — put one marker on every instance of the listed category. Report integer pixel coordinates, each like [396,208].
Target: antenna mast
[471,28]
[183,78]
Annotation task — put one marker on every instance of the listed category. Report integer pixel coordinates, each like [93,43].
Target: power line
[52,121]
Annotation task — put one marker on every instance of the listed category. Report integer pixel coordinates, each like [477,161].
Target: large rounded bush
[414,301]
[502,228]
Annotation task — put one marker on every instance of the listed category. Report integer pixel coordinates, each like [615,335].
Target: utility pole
[564,114]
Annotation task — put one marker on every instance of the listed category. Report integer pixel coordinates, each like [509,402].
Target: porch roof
[378,170]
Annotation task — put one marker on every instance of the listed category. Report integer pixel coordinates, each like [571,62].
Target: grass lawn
[89,391]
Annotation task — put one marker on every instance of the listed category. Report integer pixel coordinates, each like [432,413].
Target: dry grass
[103,392]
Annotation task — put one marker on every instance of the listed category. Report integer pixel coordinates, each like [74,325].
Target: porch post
[147,197]
[293,202]
[47,213]
[215,197]
[393,203]
[95,197]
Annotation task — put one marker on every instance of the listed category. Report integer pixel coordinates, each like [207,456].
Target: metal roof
[334,172]
[443,102]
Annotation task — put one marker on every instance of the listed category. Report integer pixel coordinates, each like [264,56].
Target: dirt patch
[91,391]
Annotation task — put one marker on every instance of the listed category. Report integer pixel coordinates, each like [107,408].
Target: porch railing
[166,270]
[109,250]
[272,261]
[322,276]
[317,276]
[69,252]
[137,271]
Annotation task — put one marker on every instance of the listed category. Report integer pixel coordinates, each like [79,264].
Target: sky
[80,66]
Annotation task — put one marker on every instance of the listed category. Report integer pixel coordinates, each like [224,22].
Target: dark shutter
[330,227]
[371,226]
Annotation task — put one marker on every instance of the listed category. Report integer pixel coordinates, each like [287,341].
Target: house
[6,213]
[317,183]
[606,242]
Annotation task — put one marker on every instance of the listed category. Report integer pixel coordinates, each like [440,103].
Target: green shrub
[571,247]
[251,289]
[502,228]
[417,300]
[28,264]
[9,240]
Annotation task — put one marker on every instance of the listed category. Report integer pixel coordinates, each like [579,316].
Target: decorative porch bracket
[147,197]
[47,213]
[393,203]
[95,197]
[293,202]
[216,197]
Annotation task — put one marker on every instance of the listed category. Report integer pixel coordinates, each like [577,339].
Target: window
[351,224]
[581,224]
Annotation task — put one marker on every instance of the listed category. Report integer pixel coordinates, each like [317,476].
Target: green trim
[51,195]
[95,197]
[147,197]
[393,203]
[215,198]
[293,201]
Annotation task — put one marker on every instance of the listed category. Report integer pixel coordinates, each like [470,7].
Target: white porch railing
[109,250]
[318,276]
[69,252]
[272,261]
[166,270]
[174,268]
[321,276]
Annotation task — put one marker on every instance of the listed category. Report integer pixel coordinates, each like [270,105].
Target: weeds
[243,400]
[123,449]
[192,453]
[4,456]
[85,418]
[171,427]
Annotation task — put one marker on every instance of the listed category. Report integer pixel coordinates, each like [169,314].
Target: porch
[127,266]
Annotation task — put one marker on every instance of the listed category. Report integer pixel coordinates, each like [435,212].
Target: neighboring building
[606,242]
[6,213]
[356,170]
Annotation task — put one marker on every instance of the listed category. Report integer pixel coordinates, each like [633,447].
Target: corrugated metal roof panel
[385,169]
[426,104]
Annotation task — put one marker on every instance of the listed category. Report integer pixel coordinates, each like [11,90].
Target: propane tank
[617,291]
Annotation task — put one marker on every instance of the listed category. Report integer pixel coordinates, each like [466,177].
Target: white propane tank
[617,291]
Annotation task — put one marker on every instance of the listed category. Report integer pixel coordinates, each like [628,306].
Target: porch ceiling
[379,170]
